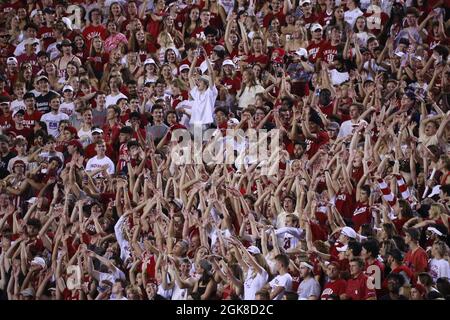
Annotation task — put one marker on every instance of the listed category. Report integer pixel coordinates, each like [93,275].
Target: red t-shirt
[345,204]
[328,52]
[357,288]
[261,59]
[417,260]
[361,215]
[314,144]
[47,35]
[92,31]
[336,287]
[313,50]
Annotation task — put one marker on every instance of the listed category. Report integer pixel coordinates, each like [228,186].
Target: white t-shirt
[248,96]
[52,120]
[253,283]
[439,269]
[85,137]
[288,237]
[178,293]
[285,281]
[347,127]
[203,105]
[95,163]
[113,99]
[307,288]
[67,108]
[350,16]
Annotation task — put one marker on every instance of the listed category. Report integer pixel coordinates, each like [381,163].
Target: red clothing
[357,288]
[92,31]
[345,204]
[313,145]
[270,16]
[328,52]
[416,260]
[261,59]
[361,215]
[47,36]
[336,287]
[313,50]
[30,119]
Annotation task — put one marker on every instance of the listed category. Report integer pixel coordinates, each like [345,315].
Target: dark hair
[355,246]
[397,276]
[413,233]
[372,246]
[35,223]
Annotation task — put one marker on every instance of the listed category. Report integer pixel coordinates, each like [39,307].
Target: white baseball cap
[303,2]
[302,52]
[183,67]
[349,232]
[67,87]
[316,26]
[253,250]
[228,62]
[149,61]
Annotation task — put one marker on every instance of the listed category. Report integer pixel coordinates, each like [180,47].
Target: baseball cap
[333,126]
[12,60]
[31,41]
[42,78]
[228,62]
[342,248]
[306,265]
[28,95]
[19,163]
[178,203]
[316,26]
[4,100]
[253,250]
[184,67]
[219,48]
[67,88]
[34,12]
[399,54]
[49,10]
[233,121]
[204,78]
[349,232]
[97,130]
[149,61]
[301,3]
[39,262]
[302,52]
[67,22]
[64,43]
[18,111]
[28,292]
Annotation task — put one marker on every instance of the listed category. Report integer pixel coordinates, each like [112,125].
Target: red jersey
[328,52]
[92,31]
[313,145]
[325,17]
[357,288]
[345,204]
[361,215]
[47,36]
[313,50]
[417,260]
[336,287]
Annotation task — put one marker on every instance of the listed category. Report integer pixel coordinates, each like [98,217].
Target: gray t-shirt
[157,131]
[307,288]
[98,118]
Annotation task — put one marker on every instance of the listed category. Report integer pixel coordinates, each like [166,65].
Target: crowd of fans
[95,205]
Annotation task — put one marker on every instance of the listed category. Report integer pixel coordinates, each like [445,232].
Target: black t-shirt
[4,164]
[43,102]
